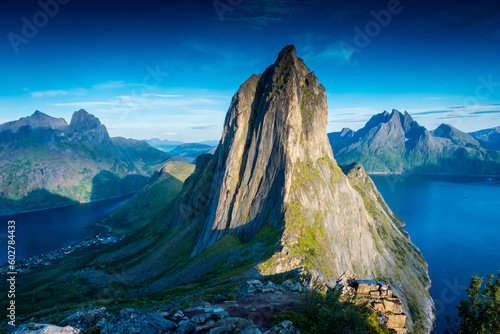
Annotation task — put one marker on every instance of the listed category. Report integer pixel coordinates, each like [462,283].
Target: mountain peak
[88,127]
[446,127]
[82,121]
[37,120]
[274,120]
[287,52]
[39,113]
[458,137]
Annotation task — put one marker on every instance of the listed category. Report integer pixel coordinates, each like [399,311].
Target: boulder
[134,321]
[177,316]
[86,319]
[46,329]
[207,326]
[226,329]
[200,319]
[220,315]
[347,290]
[365,287]
[251,330]
[204,317]
[347,278]
[188,327]
[379,307]
[235,322]
[396,321]
[393,306]
[285,327]
[250,287]
[287,285]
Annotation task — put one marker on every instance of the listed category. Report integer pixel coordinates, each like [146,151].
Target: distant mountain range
[189,151]
[46,162]
[396,143]
[163,145]
[489,137]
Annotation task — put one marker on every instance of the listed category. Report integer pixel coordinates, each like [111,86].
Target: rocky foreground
[253,312]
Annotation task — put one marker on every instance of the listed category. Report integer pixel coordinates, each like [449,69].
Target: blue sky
[169,69]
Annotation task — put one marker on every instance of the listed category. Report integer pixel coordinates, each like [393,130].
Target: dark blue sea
[39,232]
[455,221]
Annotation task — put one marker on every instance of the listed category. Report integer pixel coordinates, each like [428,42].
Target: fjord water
[39,232]
[455,221]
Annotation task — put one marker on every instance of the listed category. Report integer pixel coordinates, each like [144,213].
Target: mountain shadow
[43,152]
[33,201]
[108,185]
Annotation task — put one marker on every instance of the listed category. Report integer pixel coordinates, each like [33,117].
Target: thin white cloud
[110,84]
[86,103]
[49,93]
[162,95]
[336,53]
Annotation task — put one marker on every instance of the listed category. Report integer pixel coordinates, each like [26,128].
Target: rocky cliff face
[395,143]
[44,162]
[274,169]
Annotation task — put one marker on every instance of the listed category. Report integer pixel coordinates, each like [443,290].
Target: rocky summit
[274,170]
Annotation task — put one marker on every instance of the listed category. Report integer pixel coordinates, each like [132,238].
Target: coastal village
[47,258]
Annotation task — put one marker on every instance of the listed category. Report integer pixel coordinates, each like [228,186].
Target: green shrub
[93,330]
[480,312]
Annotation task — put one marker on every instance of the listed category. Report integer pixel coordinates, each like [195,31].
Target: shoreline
[66,206]
[45,259]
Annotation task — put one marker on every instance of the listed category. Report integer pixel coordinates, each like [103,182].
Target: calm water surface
[455,221]
[43,231]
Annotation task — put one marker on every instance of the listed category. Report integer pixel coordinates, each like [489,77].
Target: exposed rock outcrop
[380,298]
[46,329]
[274,169]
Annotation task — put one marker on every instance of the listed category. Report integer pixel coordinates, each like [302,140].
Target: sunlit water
[455,221]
